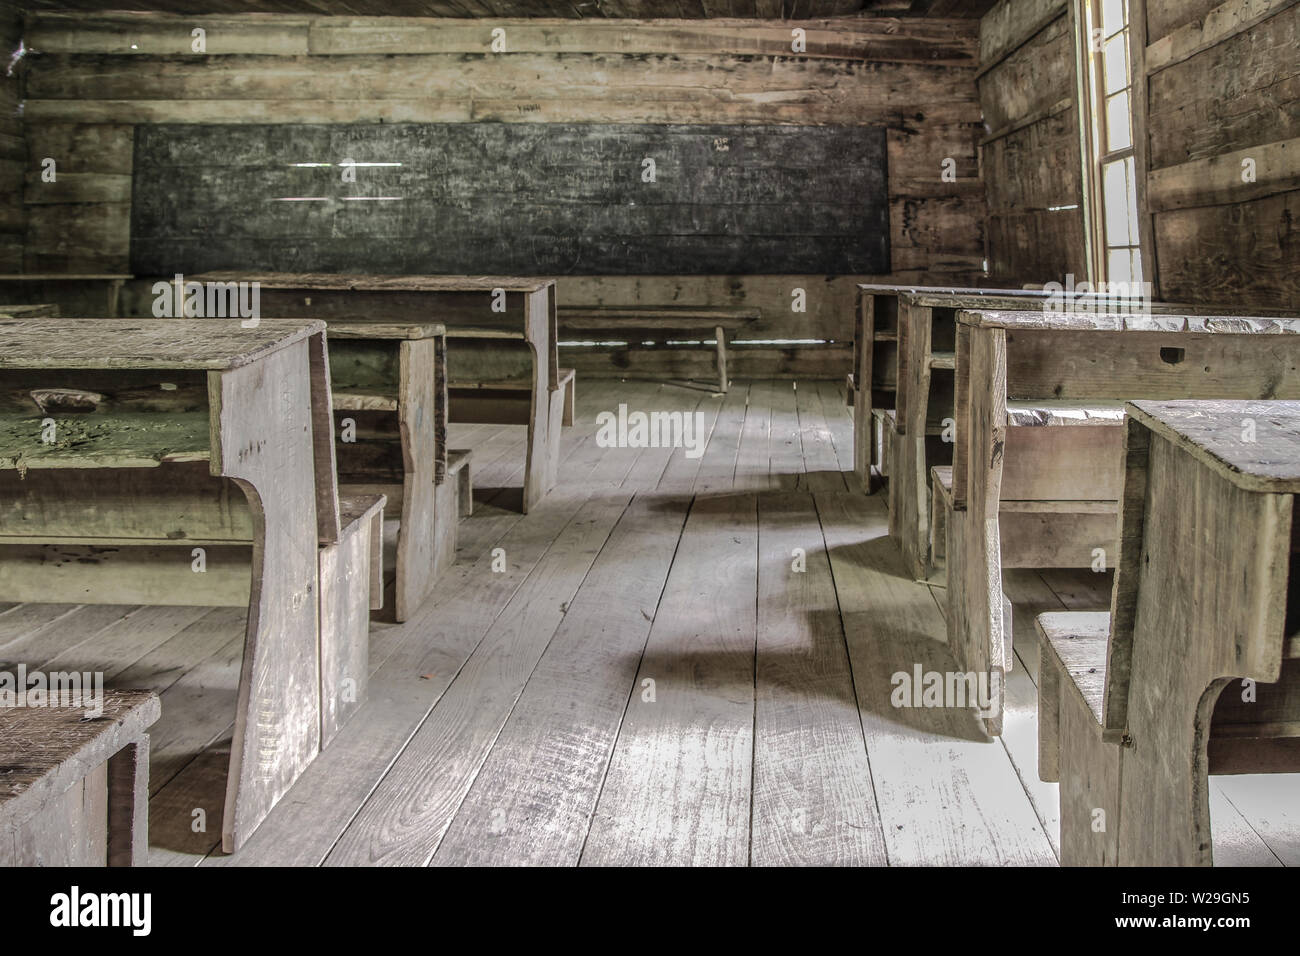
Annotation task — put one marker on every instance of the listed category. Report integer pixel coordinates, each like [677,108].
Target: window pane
[1137,265]
[1118,135]
[1114,16]
[1115,195]
[1115,60]
[1119,262]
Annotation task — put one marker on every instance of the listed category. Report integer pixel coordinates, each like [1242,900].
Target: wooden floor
[642,678]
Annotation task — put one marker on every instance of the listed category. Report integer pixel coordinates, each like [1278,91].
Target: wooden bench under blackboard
[659,322]
[75,294]
[45,310]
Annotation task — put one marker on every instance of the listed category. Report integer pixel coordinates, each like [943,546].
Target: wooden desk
[521,312]
[1143,703]
[904,356]
[105,494]
[1038,460]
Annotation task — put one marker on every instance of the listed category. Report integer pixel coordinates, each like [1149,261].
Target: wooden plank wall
[94,76]
[1223,87]
[1030,151]
[13,152]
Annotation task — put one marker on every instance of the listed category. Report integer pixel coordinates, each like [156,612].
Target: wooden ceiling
[638,9]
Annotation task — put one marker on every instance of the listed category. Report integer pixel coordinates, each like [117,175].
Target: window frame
[1095,135]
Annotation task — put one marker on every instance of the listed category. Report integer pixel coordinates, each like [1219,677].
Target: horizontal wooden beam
[1012,24]
[607,109]
[1219,180]
[125,574]
[1222,23]
[936,41]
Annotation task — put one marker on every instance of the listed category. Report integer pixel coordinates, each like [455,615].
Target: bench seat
[1075,642]
[658,322]
[74,792]
[655,318]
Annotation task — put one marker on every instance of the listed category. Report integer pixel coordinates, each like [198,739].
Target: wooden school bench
[660,322]
[91,294]
[1038,459]
[905,358]
[1137,706]
[389,387]
[75,791]
[503,366]
[37,311]
[131,450]
[880,363]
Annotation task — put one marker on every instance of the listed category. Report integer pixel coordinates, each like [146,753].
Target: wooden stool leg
[128,805]
[722,358]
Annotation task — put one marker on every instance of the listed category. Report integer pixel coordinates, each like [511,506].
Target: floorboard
[685,749]
[814,803]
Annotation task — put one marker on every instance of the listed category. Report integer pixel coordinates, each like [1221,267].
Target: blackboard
[510,198]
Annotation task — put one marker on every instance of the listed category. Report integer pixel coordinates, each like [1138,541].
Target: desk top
[1219,434]
[1135,322]
[145,343]
[327,282]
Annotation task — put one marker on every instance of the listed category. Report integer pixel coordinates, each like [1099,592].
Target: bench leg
[1049,717]
[417,534]
[722,358]
[266,444]
[909,500]
[128,805]
[465,491]
[1090,776]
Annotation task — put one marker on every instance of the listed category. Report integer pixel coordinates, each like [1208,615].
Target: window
[1109,79]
